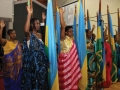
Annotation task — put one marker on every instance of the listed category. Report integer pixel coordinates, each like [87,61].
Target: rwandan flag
[103,65]
[112,43]
[58,29]
[82,51]
[103,68]
[74,27]
[50,47]
[88,21]
[98,51]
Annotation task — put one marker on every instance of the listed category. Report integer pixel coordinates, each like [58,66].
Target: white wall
[6,8]
[93,6]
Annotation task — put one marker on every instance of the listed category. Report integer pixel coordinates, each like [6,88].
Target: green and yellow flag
[112,43]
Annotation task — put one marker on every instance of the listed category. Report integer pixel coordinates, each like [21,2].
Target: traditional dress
[35,65]
[118,59]
[68,66]
[91,63]
[12,64]
[108,58]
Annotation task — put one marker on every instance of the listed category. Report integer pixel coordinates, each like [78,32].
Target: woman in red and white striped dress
[68,62]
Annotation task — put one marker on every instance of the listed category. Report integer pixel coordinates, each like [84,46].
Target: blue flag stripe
[51,43]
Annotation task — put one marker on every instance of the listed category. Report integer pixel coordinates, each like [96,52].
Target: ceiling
[44,2]
[60,2]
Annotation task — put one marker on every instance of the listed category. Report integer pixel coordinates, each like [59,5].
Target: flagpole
[31,5]
[84,7]
[104,14]
[108,24]
[118,26]
[96,56]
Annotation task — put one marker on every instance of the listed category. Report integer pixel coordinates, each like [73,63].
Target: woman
[35,62]
[108,58]
[117,55]
[68,63]
[12,60]
[90,58]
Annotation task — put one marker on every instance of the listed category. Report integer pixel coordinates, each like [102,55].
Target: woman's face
[37,25]
[106,37]
[89,34]
[116,38]
[93,36]
[12,35]
[70,32]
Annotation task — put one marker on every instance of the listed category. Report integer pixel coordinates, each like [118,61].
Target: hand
[61,11]
[2,24]
[106,26]
[85,18]
[43,16]
[93,27]
[29,9]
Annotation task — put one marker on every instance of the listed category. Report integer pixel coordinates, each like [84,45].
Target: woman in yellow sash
[12,60]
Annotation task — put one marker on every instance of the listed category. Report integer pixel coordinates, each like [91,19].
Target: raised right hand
[2,24]
[61,11]
[29,9]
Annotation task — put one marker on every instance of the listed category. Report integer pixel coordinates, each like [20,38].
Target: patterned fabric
[35,65]
[118,59]
[91,63]
[12,64]
[69,69]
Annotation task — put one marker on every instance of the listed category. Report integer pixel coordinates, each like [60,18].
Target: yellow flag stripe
[46,36]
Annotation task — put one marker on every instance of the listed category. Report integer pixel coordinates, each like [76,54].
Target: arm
[93,27]
[85,19]
[42,27]
[106,28]
[116,33]
[62,34]
[2,41]
[27,24]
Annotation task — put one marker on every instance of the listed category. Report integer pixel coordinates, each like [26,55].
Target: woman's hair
[9,31]
[114,36]
[86,30]
[32,23]
[67,28]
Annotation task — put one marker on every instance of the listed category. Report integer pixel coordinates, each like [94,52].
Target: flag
[98,51]
[50,47]
[58,29]
[103,64]
[112,43]
[103,68]
[88,21]
[82,51]
[74,27]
